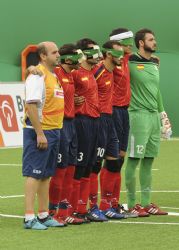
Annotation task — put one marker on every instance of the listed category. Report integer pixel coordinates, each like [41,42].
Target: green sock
[130,179]
[145,177]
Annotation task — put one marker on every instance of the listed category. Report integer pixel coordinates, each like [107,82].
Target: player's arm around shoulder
[33,70]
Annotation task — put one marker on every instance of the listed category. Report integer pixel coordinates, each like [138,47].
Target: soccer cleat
[96,215]
[73,220]
[50,222]
[34,224]
[120,209]
[154,210]
[83,217]
[112,214]
[60,220]
[139,210]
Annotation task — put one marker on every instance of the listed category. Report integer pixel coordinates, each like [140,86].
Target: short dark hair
[140,35]
[41,49]
[67,49]
[83,43]
[118,31]
[108,45]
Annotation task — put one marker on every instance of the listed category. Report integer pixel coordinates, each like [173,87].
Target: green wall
[169,82]
[24,22]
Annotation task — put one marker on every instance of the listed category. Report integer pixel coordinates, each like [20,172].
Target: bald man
[44,110]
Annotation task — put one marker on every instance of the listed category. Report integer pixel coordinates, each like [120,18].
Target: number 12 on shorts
[140,149]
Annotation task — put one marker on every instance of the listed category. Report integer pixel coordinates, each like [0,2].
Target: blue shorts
[121,122]
[87,134]
[37,163]
[108,143]
[68,144]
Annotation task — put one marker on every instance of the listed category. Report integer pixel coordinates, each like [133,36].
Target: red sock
[67,184]
[84,195]
[107,189]
[56,185]
[102,177]
[70,210]
[93,197]
[63,209]
[75,195]
[116,191]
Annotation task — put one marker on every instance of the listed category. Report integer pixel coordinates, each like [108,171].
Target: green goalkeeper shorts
[144,137]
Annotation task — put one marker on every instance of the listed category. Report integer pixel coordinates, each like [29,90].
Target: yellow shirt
[47,92]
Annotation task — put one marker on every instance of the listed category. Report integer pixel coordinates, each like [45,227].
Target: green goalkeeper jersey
[144,80]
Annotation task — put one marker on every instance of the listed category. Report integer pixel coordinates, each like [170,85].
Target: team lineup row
[96,103]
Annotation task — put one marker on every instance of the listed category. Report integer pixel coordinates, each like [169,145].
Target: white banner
[11,114]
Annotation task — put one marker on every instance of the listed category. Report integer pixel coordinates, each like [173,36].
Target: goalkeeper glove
[166,130]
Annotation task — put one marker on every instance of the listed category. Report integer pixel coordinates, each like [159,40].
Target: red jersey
[96,67]
[122,91]
[105,83]
[85,85]
[66,80]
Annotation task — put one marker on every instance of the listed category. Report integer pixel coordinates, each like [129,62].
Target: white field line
[153,169]
[173,213]
[161,191]
[10,164]
[12,147]
[172,139]
[144,222]
[172,208]
[11,196]
[11,216]
[157,191]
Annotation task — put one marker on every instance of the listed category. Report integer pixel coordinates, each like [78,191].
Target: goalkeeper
[145,111]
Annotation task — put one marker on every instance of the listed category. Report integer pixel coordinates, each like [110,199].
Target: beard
[93,62]
[148,49]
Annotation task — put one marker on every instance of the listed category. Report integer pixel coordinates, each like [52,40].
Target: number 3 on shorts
[59,158]
[80,156]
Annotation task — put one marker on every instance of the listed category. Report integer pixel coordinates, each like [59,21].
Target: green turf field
[153,233]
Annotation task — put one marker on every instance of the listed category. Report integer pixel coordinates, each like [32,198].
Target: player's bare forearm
[33,70]
[34,118]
